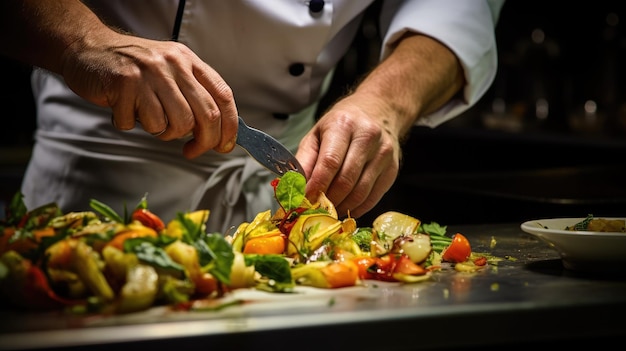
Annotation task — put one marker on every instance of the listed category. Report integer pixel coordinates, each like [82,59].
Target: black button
[316,6]
[296,69]
[282,116]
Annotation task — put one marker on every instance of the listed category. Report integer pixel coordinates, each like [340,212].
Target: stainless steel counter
[526,299]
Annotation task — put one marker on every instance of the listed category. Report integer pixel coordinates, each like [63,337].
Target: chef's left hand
[352,154]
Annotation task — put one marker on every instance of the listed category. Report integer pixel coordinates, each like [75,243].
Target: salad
[100,261]
[594,224]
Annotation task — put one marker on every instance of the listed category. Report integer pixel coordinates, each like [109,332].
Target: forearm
[419,77]
[42,30]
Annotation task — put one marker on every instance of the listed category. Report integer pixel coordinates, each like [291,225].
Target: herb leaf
[438,238]
[216,256]
[290,191]
[106,211]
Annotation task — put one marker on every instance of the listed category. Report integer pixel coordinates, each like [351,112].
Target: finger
[207,130]
[357,149]
[158,134]
[330,158]
[379,172]
[175,111]
[370,195]
[351,172]
[152,117]
[123,109]
[224,101]
[357,196]
[307,153]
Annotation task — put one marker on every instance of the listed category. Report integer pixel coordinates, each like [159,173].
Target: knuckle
[212,115]
[386,149]
[330,161]
[358,195]
[223,93]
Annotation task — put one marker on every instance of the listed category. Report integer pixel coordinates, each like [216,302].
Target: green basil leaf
[290,191]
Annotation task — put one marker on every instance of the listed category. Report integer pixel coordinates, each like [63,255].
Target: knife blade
[268,151]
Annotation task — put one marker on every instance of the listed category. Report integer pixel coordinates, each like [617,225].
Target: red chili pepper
[31,289]
[480,261]
[148,219]
[37,285]
[23,221]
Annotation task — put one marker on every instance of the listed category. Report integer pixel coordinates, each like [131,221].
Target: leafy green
[363,237]
[290,191]
[192,231]
[175,290]
[311,211]
[432,228]
[438,238]
[24,222]
[18,216]
[273,267]
[154,256]
[16,210]
[582,225]
[143,203]
[216,256]
[106,211]
[214,252]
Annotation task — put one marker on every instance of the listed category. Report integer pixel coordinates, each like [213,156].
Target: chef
[142,97]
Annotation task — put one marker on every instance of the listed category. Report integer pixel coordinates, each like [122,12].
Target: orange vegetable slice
[273,243]
[132,232]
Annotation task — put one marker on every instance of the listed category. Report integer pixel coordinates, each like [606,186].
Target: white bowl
[581,250]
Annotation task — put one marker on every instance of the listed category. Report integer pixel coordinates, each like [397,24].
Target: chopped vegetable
[101,261]
[458,251]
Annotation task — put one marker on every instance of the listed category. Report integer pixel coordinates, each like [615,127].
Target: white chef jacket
[78,155]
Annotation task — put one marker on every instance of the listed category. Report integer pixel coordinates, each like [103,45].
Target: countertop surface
[526,298]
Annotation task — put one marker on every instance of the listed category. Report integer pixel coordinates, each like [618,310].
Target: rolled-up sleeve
[466,27]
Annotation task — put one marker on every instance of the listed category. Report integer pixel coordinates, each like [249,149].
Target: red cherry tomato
[458,251]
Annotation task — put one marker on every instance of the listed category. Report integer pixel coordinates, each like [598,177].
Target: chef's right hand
[161,84]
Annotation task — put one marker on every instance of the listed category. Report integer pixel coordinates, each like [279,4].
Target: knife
[268,151]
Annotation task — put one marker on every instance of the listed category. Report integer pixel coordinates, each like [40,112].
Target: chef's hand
[352,154]
[161,84]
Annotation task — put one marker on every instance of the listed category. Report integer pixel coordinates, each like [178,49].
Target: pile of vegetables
[102,262]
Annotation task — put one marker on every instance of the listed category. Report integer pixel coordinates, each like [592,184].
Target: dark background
[528,149]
